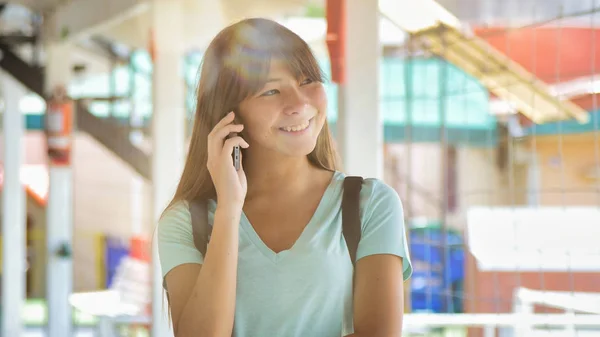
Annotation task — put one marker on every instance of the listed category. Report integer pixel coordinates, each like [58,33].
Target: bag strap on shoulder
[200,228]
[351,224]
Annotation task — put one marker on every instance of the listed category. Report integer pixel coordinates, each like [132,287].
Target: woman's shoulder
[176,209]
[175,238]
[379,189]
[175,217]
[374,190]
[379,197]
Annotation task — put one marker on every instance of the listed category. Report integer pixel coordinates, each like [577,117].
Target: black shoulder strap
[351,226]
[200,227]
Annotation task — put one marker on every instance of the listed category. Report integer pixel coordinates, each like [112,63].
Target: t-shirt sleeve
[175,239]
[383,230]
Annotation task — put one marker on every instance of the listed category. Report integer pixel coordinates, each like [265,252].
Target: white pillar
[360,125]
[168,125]
[533,180]
[522,305]
[59,214]
[13,210]
[489,331]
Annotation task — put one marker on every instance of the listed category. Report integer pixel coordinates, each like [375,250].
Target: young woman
[277,263]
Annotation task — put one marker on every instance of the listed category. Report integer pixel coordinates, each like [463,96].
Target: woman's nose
[296,102]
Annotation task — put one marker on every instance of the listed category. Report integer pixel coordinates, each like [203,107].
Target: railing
[30,76]
[116,138]
[523,325]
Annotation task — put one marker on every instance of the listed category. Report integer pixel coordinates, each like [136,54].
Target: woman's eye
[306,81]
[270,92]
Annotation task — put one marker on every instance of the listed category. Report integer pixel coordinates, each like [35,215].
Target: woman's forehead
[278,69]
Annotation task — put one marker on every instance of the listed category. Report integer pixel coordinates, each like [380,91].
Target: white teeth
[296,128]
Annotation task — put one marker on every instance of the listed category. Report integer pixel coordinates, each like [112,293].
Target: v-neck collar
[307,232]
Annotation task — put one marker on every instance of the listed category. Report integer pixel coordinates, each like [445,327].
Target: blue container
[434,289]
[116,250]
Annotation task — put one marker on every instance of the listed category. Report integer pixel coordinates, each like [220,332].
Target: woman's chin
[299,150]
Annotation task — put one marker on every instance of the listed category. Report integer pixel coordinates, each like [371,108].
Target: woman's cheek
[318,97]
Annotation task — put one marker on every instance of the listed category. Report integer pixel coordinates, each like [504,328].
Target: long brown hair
[235,66]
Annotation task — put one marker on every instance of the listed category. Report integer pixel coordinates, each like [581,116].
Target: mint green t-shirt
[306,290]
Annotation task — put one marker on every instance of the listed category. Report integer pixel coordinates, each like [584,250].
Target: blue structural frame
[566,127]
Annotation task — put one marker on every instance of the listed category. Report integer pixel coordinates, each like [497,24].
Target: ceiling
[200,21]
[40,5]
[519,13]
[133,32]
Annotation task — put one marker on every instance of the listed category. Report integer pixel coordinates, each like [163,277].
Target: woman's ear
[238,120]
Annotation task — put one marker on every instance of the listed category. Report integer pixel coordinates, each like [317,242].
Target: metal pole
[112,88]
[408,128]
[13,211]
[443,84]
[136,136]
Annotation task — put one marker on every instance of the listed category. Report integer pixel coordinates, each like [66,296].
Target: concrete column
[168,125]
[59,228]
[360,124]
[13,210]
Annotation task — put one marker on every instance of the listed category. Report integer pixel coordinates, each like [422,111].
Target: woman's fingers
[234,141]
[218,134]
[222,133]
[224,121]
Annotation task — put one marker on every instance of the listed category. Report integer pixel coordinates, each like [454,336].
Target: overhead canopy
[501,75]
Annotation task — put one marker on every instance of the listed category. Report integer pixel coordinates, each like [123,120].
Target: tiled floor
[85,332]
[33,332]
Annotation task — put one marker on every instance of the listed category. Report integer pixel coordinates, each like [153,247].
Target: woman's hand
[231,185]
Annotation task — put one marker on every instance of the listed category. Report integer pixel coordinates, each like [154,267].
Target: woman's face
[286,116]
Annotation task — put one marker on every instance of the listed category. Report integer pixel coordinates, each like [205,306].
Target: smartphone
[236,149]
[236,157]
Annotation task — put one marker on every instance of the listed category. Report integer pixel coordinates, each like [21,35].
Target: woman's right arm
[203,297]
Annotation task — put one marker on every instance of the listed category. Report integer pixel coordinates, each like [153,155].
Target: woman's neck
[276,174]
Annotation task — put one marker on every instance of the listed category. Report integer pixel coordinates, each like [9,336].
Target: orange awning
[35,180]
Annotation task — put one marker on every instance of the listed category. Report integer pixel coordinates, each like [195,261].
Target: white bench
[127,301]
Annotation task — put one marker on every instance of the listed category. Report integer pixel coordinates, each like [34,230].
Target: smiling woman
[277,263]
[288,105]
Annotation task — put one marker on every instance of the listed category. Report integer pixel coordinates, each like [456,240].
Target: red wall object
[553,54]
[336,39]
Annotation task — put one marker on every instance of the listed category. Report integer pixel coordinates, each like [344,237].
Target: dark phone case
[235,155]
